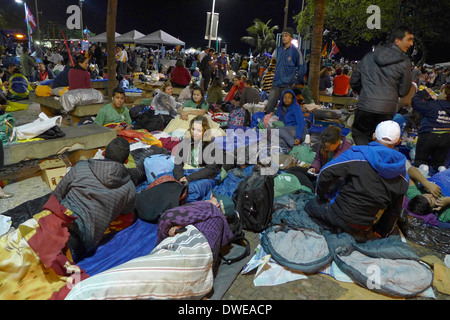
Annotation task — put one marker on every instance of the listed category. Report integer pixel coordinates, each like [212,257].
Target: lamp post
[218,44]
[211,23]
[37,19]
[80,2]
[26,21]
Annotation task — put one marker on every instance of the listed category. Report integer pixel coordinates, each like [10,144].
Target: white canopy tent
[102,37]
[129,37]
[160,38]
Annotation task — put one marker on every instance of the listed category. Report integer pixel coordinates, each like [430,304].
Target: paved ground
[315,287]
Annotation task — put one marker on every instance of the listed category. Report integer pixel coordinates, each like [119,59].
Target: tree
[110,44]
[261,36]
[316,48]
[347,20]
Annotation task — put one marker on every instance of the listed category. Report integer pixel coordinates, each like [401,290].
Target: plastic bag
[37,127]
[80,97]
[417,231]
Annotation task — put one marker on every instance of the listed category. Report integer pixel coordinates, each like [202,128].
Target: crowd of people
[360,180]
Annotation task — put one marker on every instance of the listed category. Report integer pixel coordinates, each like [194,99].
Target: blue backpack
[158,165]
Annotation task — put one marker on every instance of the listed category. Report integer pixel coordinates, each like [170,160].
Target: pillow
[180,267]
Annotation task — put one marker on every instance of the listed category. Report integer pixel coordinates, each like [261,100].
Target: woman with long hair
[79,76]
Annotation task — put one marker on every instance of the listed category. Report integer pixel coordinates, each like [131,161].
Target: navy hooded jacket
[374,185]
[435,113]
[291,116]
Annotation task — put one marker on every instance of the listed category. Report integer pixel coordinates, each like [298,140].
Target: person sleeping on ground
[426,197]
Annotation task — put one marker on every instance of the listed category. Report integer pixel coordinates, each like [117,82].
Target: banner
[29,18]
[334,49]
[324,52]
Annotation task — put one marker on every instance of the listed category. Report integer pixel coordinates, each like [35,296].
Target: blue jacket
[290,68]
[374,183]
[293,116]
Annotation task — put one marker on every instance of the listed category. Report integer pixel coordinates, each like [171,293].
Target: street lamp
[26,19]
[81,16]
[211,23]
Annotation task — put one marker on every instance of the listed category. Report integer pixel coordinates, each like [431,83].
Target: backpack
[239,117]
[253,200]
[162,194]
[234,221]
[158,165]
[7,128]
[151,122]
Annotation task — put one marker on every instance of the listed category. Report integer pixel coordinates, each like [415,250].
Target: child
[332,144]
[196,144]
[197,102]
[215,93]
[115,112]
[123,82]
[427,197]
[291,114]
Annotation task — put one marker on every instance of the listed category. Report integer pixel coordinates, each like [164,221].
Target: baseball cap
[290,31]
[388,132]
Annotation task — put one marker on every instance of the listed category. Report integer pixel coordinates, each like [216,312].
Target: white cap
[388,132]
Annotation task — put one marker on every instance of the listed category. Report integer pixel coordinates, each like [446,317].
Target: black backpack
[253,200]
[241,248]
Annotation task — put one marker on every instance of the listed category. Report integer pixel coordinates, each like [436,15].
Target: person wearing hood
[434,130]
[380,78]
[374,183]
[291,114]
[96,191]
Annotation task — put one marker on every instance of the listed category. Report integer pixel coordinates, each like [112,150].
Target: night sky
[186,19]
[183,19]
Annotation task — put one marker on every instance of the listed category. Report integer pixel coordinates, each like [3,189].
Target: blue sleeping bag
[137,240]
[200,190]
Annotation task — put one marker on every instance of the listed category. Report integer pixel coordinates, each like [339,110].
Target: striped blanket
[179,267]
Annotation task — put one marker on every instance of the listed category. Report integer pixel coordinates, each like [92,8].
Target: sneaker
[442,168]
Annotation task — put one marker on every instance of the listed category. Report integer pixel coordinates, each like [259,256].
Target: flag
[324,52]
[31,23]
[334,49]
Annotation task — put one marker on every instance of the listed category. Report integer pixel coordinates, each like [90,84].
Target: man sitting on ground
[374,183]
[96,191]
[249,94]
[115,112]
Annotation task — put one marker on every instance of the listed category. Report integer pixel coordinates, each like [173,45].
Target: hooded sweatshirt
[435,114]
[96,191]
[292,115]
[374,185]
[381,78]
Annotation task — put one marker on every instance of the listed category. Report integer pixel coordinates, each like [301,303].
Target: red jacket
[181,76]
[79,79]
[341,85]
